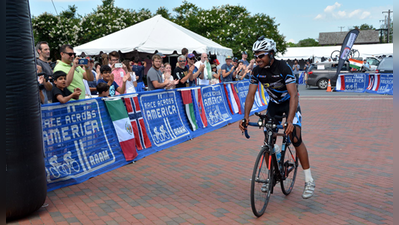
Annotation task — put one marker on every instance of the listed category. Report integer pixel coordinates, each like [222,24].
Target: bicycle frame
[270,129]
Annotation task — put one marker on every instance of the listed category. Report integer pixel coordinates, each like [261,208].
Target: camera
[118,65]
[83,61]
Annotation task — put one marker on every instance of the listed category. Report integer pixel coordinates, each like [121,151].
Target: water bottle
[277,150]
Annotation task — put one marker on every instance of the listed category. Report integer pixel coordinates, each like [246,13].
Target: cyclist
[280,83]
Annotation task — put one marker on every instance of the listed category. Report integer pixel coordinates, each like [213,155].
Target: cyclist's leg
[296,139]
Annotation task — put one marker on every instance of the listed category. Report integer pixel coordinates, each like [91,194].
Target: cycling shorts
[284,107]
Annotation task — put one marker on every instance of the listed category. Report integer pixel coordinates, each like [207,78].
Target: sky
[297,20]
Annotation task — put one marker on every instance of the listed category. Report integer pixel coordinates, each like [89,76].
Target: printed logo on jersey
[266,85]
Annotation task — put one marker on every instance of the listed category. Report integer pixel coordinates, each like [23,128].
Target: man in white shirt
[205,73]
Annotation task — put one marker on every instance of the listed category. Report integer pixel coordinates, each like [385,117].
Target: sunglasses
[70,53]
[191,58]
[260,56]
[182,60]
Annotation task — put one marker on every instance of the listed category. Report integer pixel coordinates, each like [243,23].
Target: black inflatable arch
[26,186]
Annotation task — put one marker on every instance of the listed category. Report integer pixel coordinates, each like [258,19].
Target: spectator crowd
[75,77]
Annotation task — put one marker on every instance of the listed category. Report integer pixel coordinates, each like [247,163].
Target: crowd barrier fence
[379,83]
[80,139]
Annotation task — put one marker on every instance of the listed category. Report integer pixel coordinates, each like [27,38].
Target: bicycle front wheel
[290,166]
[261,183]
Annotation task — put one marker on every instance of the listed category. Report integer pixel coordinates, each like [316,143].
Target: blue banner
[216,111]
[79,142]
[162,117]
[352,82]
[380,84]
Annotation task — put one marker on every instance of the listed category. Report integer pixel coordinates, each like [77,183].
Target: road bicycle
[353,53]
[268,169]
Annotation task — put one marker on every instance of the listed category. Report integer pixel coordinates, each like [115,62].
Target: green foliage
[228,25]
[164,12]
[308,42]
[290,44]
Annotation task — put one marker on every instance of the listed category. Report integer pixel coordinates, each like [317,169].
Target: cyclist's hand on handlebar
[243,126]
[289,127]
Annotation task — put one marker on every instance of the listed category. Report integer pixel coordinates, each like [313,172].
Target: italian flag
[123,127]
[189,108]
[356,64]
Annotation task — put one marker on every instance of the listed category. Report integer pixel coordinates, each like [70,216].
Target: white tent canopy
[318,52]
[155,34]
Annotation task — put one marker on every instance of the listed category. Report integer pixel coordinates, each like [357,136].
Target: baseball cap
[90,59]
[190,55]
[228,57]
[160,54]
[235,59]
[216,61]
[244,52]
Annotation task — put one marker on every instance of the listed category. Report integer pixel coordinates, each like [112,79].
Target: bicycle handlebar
[264,116]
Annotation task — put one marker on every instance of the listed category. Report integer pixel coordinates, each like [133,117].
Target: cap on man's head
[58,74]
[244,52]
[228,57]
[235,59]
[90,59]
[190,55]
[216,61]
[160,54]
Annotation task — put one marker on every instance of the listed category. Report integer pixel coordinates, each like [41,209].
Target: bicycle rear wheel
[290,166]
[261,183]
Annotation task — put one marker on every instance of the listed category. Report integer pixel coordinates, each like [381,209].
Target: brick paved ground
[206,180]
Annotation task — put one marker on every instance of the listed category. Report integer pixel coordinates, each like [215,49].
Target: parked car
[320,73]
[373,62]
[385,66]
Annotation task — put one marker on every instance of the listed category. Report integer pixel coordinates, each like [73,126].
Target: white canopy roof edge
[325,51]
[156,33]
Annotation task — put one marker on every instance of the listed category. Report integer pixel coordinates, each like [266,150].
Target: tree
[290,44]
[308,42]
[230,26]
[57,30]
[164,12]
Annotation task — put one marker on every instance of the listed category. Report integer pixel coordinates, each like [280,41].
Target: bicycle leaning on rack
[270,168]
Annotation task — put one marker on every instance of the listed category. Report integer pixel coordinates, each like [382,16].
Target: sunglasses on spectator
[191,58]
[71,53]
[260,56]
[182,60]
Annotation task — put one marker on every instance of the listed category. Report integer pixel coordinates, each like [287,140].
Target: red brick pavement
[207,180]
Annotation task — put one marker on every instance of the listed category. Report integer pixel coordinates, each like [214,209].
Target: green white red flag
[123,127]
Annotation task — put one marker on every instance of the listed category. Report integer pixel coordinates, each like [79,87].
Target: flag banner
[346,47]
[199,108]
[380,84]
[79,142]
[136,119]
[356,64]
[189,108]
[226,94]
[163,118]
[263,95]
[231,99]
[123,127]
[236,98]
[352,82]
[216,110]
